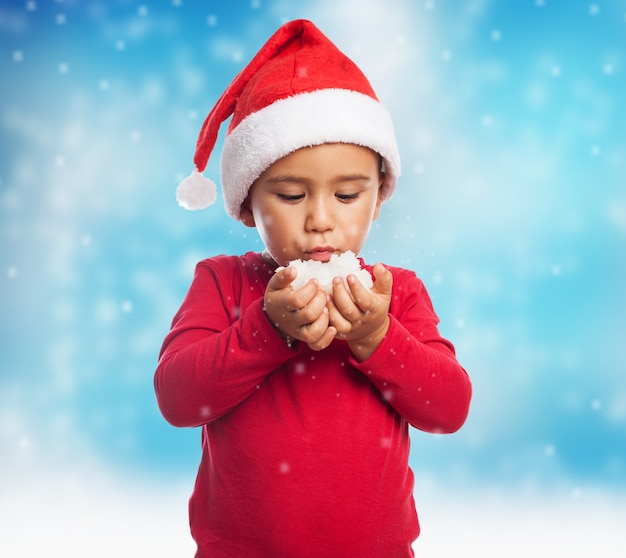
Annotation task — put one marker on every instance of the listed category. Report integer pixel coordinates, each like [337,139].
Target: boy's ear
[246,215]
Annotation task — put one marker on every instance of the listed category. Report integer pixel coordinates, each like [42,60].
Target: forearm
[422,380]
[202,375]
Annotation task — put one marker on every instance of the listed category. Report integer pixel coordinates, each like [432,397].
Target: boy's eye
[347,197]
[291,197]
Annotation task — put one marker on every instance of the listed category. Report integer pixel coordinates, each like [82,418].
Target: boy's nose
[319,218]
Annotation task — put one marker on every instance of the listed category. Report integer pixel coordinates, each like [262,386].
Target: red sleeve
[220,348]
[414,367]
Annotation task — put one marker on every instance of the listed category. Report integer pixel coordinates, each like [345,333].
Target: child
[304,397]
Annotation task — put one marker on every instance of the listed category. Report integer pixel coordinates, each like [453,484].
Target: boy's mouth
[321,253]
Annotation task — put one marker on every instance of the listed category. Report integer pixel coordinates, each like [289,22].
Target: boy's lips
[321,253]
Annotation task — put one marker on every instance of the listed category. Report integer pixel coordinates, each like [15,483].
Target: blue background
[511,207]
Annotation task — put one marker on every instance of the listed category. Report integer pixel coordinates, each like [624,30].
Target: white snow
[339,265]
[102,514]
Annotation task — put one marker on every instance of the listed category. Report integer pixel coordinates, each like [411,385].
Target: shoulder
[234,273]
[404,279]
[409,294]
[403,274]
[226,265]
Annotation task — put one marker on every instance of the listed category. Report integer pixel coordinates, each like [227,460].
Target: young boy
[304,397]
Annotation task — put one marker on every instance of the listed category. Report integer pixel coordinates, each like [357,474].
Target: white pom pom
[338,266]
[196,192]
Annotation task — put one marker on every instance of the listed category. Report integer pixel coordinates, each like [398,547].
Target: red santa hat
[299,90]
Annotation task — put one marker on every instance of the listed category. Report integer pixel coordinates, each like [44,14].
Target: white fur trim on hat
[303,120]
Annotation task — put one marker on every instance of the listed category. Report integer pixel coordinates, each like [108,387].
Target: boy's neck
[268,259]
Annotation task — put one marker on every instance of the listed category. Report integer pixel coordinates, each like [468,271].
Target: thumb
[282,278]
[384,280]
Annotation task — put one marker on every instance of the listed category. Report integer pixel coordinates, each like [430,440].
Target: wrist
[364,347]
[289,341]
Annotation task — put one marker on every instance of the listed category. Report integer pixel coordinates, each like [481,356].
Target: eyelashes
[294,198]
[291,197]
[348,197]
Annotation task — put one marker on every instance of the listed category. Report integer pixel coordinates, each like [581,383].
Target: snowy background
[512,208]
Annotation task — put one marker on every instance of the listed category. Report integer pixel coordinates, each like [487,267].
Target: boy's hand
[361,317]
[299,315]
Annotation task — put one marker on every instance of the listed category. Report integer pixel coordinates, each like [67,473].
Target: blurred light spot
[255,4]
[135,135]
[18,56]
[284,468]
[616,213]
[152,91]
[607,69]
[555,71]
[12,272]
[103,85]
[596,405]
[226,49]
[120,45]
[496,35]
[59,161]
[486,120]
[61,19]
[127,306]
[62,354]
[616,409]
[595,150]
[64,312]
[536,95]
[64,68]
[105,311]
[594,9]
[31,6]
[446,55]
[142,11]
[211,21]
[549,450]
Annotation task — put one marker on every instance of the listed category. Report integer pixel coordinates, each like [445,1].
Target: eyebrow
[301,180]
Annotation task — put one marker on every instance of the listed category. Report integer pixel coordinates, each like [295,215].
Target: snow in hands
[339,265]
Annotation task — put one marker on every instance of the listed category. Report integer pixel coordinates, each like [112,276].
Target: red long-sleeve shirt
[305,454]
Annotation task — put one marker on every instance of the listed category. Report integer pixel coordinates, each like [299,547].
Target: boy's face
[316,202]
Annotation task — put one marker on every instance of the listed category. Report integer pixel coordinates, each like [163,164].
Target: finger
[314,307]
[325,340]
[343,299]
[361,296]
[337,320]
[313,330]
[383,280]
[297,300]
